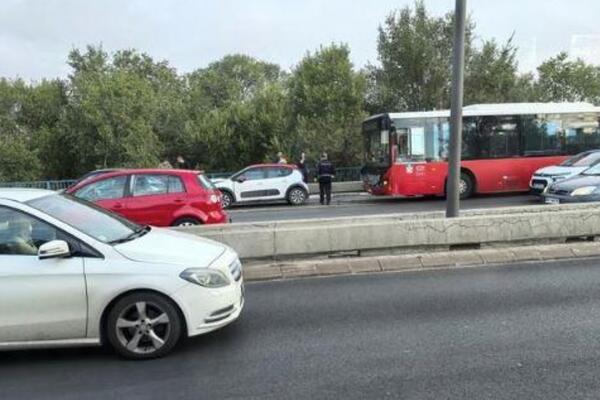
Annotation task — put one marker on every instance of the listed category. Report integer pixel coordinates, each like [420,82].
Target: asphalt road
[527,331]
[344,205]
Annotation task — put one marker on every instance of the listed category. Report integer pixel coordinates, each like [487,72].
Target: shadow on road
[213,341]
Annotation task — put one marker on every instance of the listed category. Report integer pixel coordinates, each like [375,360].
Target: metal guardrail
[342,174]
[50,185]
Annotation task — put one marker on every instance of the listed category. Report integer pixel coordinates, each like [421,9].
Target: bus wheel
[465,186]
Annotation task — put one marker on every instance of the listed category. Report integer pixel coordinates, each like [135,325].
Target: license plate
[551,200]
[538,186]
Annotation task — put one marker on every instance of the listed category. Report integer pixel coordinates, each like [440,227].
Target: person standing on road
[303,167]
[325,175]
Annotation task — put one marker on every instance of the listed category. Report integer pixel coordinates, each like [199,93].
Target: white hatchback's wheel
[226,200]
[297,196]
[143,325]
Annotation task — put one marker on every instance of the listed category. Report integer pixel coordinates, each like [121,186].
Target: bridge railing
[343,174]
[50,185]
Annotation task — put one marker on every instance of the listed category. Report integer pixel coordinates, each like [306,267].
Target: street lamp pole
[458,64]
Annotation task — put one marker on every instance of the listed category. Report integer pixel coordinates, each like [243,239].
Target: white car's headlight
[206,277]
[583,191]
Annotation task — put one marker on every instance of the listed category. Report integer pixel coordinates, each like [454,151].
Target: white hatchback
[72,273]
[264,183]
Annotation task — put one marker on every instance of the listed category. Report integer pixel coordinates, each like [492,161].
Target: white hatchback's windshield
[87,218]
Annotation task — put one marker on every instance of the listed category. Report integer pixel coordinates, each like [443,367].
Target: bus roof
[500,109]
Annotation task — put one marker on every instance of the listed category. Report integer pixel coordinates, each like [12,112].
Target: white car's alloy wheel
[143,325]
[226,200]
[297,196]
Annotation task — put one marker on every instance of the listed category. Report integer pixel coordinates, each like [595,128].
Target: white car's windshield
[582,160]
[87,218]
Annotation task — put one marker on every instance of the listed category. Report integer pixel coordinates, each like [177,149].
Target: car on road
[581,188]
[72,273]
[571,167]
[264,183]
[94,173]
[158,197]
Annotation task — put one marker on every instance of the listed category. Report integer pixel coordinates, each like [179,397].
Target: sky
[36,35]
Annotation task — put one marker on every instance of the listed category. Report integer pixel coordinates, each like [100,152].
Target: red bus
[502,145]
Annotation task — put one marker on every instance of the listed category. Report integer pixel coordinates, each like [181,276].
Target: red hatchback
[159,197]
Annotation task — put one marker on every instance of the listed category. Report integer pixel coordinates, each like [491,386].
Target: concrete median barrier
[396,234]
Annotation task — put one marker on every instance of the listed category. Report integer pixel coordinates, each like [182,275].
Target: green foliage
[415,51]
[236,110]
[18,161]
[111,116]
[491,75]
[563,80]
[327,105]
[127,109]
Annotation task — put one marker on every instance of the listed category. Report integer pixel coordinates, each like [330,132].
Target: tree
[326,104]
[492,76]
[18,159]
[415,51]
[110,115]
[236,109]
[561,79]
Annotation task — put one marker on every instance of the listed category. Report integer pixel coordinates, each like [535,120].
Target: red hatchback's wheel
[186,222]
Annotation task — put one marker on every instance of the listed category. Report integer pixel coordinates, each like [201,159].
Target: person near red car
[156,197]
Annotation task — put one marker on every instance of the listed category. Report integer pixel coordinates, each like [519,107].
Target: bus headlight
[583,191]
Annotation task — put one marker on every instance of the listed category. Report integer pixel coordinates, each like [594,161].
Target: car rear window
[205,182]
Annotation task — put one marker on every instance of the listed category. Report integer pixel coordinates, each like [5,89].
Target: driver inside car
[19,237]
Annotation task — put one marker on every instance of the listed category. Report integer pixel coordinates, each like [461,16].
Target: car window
[175,184]
[254,174]
[278,172]
[22,234]
[111,188]
[205,182]
[148,185]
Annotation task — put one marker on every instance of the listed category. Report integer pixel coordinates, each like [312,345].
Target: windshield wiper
[133,235]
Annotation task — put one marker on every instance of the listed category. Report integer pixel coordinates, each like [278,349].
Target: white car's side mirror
[54,249]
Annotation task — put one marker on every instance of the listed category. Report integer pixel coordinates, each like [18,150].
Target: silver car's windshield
[86,217]
[595,170]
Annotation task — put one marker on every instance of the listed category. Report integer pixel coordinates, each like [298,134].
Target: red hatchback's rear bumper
[217,217]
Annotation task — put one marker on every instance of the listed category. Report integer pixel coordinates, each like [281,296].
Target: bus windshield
[377,143]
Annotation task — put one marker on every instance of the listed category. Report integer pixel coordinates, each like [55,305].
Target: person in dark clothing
[303,167]
[325,175]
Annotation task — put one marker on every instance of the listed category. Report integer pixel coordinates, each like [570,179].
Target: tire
[226,200]
[297,196]
[186,222]
[143,325]
[465,186]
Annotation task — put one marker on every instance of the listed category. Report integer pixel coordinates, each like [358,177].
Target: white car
[571,167]
[72,273]
[264,182]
